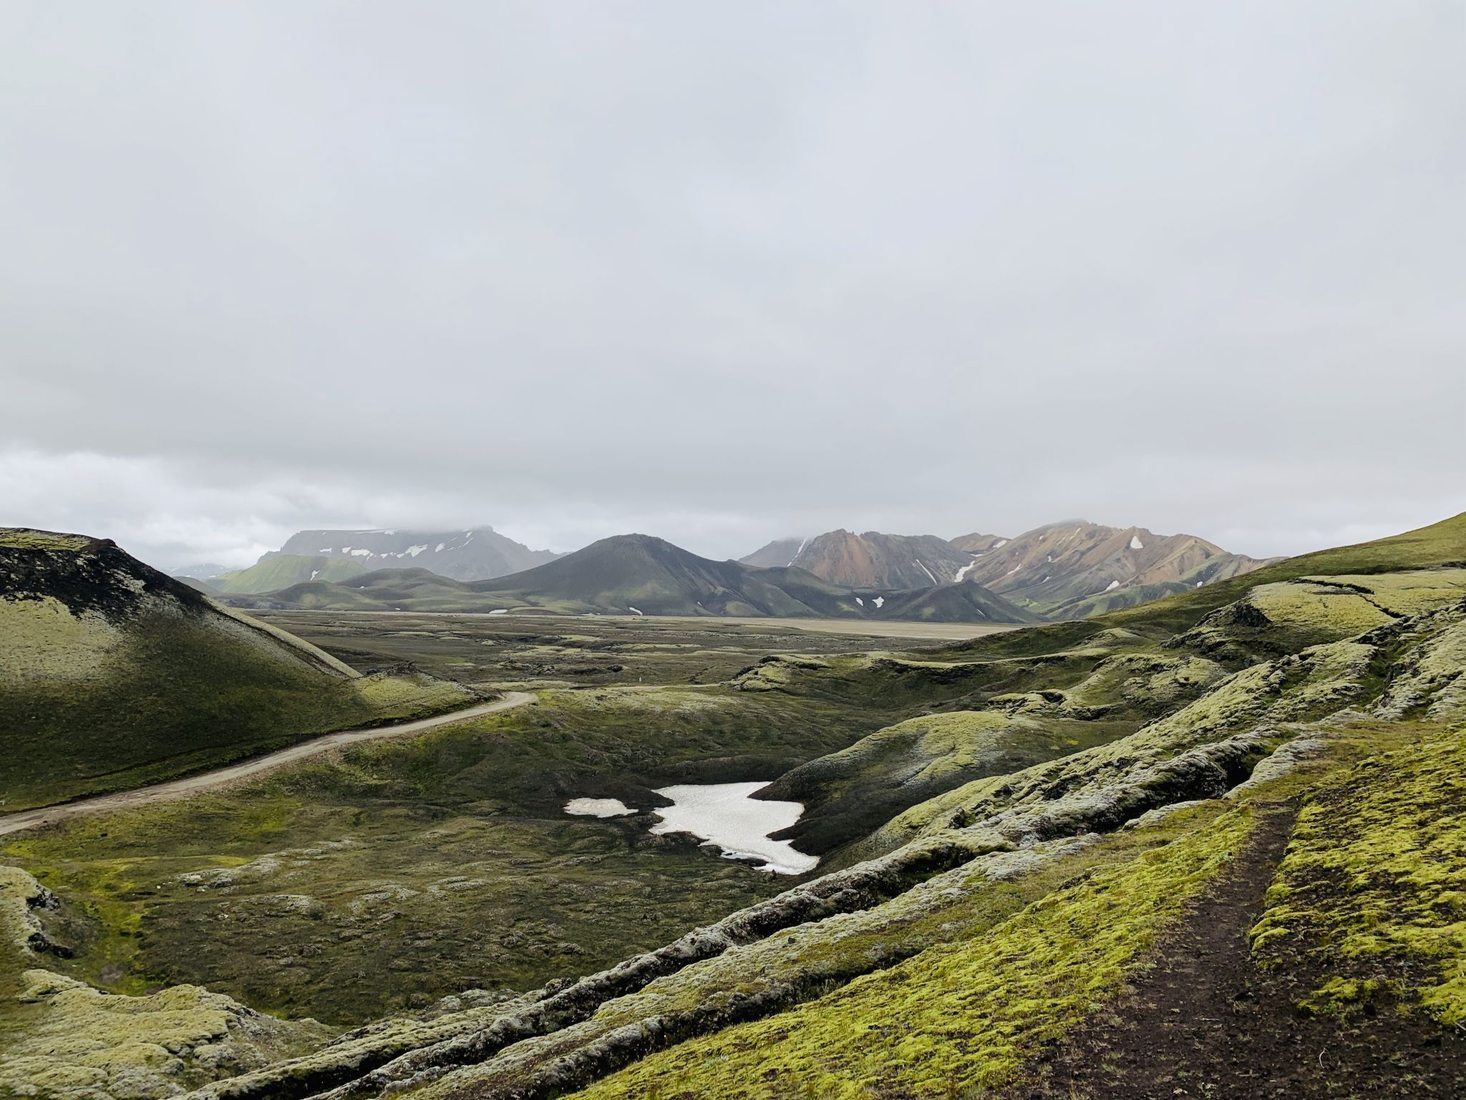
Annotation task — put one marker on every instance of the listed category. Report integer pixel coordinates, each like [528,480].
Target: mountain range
[643,575]
[1065,570]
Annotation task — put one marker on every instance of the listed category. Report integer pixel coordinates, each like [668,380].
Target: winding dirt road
[245,769]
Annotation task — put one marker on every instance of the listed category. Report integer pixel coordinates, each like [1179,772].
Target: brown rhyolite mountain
[1074,569]
[873,559]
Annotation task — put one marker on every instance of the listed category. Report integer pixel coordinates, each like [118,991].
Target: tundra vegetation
[1029,841]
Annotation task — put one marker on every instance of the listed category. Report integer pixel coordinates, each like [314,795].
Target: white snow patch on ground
[1044,581]
[966,569]
[1000,543]
[859,601]
[633,610]
[598,807]
[360,553]
[1112,586]
[315,573]
[324,550]
[1200,583]
[499,611]
[879,601]
[802,545]
[414,551]
[925,570]
[1135,543]
[439,548]
[725,815]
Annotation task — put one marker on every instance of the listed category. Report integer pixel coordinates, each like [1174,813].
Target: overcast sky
[726,272]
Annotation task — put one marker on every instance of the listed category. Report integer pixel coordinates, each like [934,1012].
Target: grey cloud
[727,273]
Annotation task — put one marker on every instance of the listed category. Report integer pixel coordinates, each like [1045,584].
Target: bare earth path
[182,788]
[1206,1023]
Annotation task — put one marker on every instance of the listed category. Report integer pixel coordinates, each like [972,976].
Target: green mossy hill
[849,793]
[113,675]
[1370,900]
[276,571]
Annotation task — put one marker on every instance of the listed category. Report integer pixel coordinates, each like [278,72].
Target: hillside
[640,574]
[872,560]
[1075,569]
[478,553]
[113,674]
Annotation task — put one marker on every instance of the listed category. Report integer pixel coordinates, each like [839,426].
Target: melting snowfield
[725,815]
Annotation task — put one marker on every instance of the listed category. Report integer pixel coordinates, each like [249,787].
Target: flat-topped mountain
[1075,569]
[871,560]
[478,553]
[113,674]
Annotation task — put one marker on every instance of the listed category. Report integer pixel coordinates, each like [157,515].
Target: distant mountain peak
[871,559]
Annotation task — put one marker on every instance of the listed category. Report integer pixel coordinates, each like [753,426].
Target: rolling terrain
[1210,845]
[113,674]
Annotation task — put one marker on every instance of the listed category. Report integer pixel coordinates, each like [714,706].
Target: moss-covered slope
[113,675]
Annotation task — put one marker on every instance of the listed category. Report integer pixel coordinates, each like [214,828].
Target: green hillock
[113,675]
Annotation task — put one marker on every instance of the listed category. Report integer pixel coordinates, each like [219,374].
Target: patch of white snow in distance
[925,570]
[1112,586]
[1135,543]
[966,569]
[1000,543]
[598,807]
[879,601]
[633,610]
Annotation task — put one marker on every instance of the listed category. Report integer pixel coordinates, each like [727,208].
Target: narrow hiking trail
[1205,1021]
[246,769]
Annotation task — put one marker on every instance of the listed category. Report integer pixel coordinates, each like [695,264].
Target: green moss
[25,538]
[1371,895]
[962,1015]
